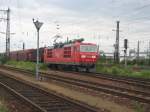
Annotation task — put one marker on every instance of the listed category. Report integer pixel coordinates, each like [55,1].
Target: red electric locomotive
[74,54]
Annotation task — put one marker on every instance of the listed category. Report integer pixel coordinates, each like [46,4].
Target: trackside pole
[38,26]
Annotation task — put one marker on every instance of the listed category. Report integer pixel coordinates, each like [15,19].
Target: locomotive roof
[87,43]
[69,43]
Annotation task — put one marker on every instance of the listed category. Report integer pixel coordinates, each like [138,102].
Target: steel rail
[21,97]
[123,92]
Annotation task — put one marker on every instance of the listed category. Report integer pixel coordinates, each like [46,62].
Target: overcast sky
[92,20]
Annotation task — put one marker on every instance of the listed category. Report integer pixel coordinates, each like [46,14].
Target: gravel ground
[12,104]
[98,100]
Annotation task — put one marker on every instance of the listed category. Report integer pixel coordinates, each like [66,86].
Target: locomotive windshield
[88,48]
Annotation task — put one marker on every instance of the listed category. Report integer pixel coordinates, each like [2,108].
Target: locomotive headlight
[93,56]
[83,56]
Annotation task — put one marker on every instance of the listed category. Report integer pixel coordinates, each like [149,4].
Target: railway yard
[74,56]
[93,91]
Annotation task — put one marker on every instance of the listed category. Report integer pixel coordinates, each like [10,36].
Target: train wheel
[49,66]
[87,70]
[60,67]
[76,69]
[56,67]
[93,69]
[67,68]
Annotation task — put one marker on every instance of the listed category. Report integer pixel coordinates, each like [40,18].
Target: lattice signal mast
[7,30]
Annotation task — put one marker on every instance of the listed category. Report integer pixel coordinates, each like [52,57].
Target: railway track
[132,94]
[40,99]
[119,91]
[145,83]
[14,103]
[127,80]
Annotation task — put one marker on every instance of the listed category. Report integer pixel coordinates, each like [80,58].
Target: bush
[133,62]
[3,109]
[145,74]
[43,66]
[3,60]
[26,65]
[138,107]
[105,70]
[115,70]
[127,71]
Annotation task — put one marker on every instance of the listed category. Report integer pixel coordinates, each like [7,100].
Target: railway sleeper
[51,103]
[60,109]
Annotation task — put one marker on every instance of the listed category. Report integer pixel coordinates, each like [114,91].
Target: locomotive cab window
[88,48]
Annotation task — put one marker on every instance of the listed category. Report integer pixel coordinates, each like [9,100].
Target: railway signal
[38,25]
[125,43]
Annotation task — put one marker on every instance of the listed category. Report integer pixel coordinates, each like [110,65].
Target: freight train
[72,55]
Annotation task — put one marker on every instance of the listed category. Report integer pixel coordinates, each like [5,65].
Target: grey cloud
[83,17]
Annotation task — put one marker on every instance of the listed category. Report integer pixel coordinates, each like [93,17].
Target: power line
[142,7]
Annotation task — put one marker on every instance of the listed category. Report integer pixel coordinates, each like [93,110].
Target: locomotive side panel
[53,55]
[63,55]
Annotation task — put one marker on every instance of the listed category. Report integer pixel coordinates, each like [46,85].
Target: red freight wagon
[22,55]
[74,54]
[32,55]
[18,55]
[14,55]
[27,55]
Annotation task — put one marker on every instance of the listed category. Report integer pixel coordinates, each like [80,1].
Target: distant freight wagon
[27,55]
